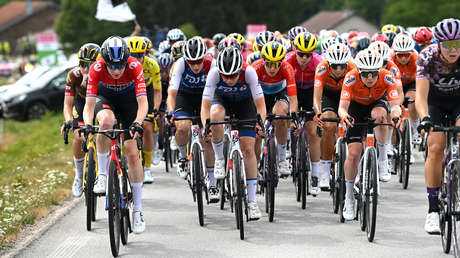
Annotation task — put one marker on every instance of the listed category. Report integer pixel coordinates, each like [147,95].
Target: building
[341,21]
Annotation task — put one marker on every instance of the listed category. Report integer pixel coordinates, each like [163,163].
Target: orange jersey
[409,70]
[393,68]
[354,89]
[323,76]
[285,78]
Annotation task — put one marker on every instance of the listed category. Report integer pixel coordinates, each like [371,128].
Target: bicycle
[268,167]
[119,194]
[236,173]
[337,182]
[225,184]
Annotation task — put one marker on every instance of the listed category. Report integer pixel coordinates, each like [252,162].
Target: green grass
[36,172]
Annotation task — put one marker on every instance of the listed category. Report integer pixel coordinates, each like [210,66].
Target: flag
[114,10]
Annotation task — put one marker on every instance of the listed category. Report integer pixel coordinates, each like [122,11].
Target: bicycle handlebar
[232,122]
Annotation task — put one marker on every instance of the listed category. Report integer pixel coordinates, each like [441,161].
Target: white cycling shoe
[138,222]
[384,173]
[254,211]
[100,185]
[283,168]
[349,209]
[432,223]
[148,177]
[77,188]
[219,168]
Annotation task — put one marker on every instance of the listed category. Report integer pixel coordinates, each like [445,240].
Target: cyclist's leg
[184,107]
[413,117]
[379,111]
[281,108]
[217,114]
[78,154]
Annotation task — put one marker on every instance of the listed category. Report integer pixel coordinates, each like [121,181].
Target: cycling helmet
[230,61]
[403,43]
[273,51]
[363,43]
[380,36]
[390,35]
[238,37]
[338,53]
[423,35]
[137,45]
[293,32]
[227,42]
[326,43]
[389,27]
[164,47]
[175,35]
[447,29]
[382,48]
[262,38]
[148,43]
[340,40]
[89,52]
[115,51]
[208,42]
[194,49]
[305,42]
[165,61]
[286,43]
[218,38]
[177,49]
[368,59]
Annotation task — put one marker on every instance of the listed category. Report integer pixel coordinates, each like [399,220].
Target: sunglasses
[85,64]
[451,44]
[229,77]
[196,62]
[403,55]
[366,74]
[115,67]
[338,66]
[270,64]
[301,54]
[138,55]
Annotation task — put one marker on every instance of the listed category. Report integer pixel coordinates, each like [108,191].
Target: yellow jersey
[151,73]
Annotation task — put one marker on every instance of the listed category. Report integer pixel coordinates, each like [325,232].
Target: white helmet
[338,53]
[326,43]
[194,49]
[403,43]
[382,48]
[369,59]
[175,35]
[230,61]
[164,47]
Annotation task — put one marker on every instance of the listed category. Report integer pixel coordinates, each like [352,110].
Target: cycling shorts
[187,104]
[440,107]
[270,100]
[409,87]
[244,109]
[330,101]
[305,99]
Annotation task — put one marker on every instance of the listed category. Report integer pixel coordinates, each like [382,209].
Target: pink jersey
[304,78]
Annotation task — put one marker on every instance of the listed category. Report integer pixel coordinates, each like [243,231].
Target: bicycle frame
[90,143]
[195,133]
[235,147]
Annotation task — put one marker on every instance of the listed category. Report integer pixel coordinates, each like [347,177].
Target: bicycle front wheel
[197,181]
[406,154]
[127,198]
[303,172]
[371,194]
[271,182]
[238,182]
[91,198]
[340,184]
[223,182]
[113,196]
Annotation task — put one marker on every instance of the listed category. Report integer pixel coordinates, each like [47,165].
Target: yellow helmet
[137,45]
[305,42]
[177,49]
[389,27]
[238,37]
[273,51]
[89,52]
[148,42]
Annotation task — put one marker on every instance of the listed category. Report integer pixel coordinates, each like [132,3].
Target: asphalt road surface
[173,230]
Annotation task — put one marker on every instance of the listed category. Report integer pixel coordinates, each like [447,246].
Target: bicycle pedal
[325,189]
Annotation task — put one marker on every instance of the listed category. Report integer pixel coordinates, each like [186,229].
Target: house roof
[15,12]
[326,20]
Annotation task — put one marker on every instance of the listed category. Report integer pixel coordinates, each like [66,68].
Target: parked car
[31,96]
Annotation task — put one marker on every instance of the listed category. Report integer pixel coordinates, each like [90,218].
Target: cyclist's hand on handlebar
[347,120]
[426,124]
[136,130]
[169,118]
[396,121]
[66,126]
[156,114]
[317,119]
[86,131]
[259,130]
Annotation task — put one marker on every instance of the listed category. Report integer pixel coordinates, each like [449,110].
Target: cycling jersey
[74,83]
[324,78]
[407,71]
[393,68]
[284,79]
[185,80]
[444,81]
[253,57]
[246,86]
[151,73]
[353,88]
[304,78]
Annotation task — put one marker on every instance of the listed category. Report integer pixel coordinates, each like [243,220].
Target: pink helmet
[447,29]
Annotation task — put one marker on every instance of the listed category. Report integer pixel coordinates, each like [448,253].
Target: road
[173,229]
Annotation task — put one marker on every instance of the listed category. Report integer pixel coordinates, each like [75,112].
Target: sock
[414,125]
[325,166]
[218,148]
[212,179]
[78,167]
[155,141]
[148,158]
[183,151]
[350,184]
[315,168]
[382,151]
[282,151]
[390,135]
[103,163]
[433,199]
[252,188]
[137,196]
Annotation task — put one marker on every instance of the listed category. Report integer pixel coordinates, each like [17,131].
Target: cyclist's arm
[291,86]
[260,107]
[421,97]
[91,93]
[174,83]
[142,108]
[156,81]
[343,108]
[256,91]
[68,103]
[318,89]
[345,95]
[88,111]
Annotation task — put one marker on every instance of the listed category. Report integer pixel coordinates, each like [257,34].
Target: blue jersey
[185,80]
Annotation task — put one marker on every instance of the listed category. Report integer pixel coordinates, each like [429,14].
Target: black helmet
[217,38]
[115,51]
[89,52]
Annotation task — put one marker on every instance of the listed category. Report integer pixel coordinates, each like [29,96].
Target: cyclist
[164,47]
[438,89]
[362,96]
[328,84]
[175,35]
[379,36]
[75,94]
[184,99]
[216,39]
[116,87]
[305,61]
[152,79]
[232,89]
[261,39]
[294,31]
[176,50]
[242,41]
[405,58]
[423,37]
[165,61]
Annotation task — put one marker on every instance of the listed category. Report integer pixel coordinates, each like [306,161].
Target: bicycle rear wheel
[197,181]
[166,148]
[340,185]
[406,154]
[113,196]
[90,197]
[271,182]
[238,182]
[371,194]
[303,172]
[294,162]
[127,199]
[448,213]
[223,190]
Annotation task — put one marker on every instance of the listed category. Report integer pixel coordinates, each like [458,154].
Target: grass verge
[36,172]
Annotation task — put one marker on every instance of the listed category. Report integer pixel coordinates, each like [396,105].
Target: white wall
[356,23]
